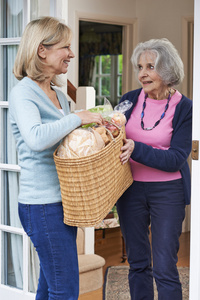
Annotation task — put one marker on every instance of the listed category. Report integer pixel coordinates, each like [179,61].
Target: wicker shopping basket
[91,185]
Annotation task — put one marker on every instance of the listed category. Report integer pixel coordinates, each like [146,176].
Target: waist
[143,173]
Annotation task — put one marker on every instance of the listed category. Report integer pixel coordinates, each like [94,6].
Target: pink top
[159,137]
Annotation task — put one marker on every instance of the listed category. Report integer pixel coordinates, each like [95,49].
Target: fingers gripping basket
[91,185]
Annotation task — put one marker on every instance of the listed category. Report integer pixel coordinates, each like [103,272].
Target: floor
[108,244]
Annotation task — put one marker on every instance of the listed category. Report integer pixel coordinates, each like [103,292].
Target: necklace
[161,117]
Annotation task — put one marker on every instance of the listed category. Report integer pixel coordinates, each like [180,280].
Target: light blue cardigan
[38,126]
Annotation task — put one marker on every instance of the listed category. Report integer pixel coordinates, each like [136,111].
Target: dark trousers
[55,243]
[161,205]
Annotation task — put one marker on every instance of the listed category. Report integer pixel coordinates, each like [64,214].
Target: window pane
[105,86]
[119,87]
[120,63]
[9,194]
[12,262]
[7,78]
[106,64]
[34,269]
[8,145]
[11,20]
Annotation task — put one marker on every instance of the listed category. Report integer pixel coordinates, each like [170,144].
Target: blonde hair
[47,31]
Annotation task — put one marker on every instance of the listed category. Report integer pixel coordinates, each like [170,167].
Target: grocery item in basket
[118,114]
[80,142]
[103,132]
[107,131]
[118,118]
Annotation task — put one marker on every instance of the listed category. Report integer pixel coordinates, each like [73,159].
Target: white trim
[26,251]
[10,229]
[9,41]
[10,167]
[27,12]
[194,290]
[7,292]
[4,104]
[89,240]
[186,34]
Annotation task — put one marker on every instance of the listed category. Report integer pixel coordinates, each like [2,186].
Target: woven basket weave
[91,185]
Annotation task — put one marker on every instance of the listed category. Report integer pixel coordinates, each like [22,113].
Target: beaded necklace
[161,117]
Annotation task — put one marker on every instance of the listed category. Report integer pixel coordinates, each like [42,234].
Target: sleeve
[39,135]
[174,158]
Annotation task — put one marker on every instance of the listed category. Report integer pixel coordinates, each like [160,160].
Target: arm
[38,123]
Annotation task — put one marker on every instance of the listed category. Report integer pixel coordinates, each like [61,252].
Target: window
[107,78]
[18,261]
[100,59]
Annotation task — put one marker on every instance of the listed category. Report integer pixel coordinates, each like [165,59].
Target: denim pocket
[24,215]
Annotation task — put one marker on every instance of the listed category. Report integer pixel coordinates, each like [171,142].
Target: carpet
[116,283]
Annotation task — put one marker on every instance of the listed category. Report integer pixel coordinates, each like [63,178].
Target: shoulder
[23,87]
[183,111]
[185,102]
[132,95]
[184,106]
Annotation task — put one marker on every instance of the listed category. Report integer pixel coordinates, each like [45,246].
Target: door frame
[130,40]
[194,293]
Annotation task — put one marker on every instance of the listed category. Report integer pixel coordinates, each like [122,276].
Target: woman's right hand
[88,117]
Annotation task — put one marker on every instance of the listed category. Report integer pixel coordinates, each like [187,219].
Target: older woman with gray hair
[159,136]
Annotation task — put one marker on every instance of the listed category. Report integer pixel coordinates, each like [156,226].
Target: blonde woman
[40,117]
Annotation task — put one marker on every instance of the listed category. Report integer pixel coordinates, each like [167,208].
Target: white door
[18,260]
[195,202]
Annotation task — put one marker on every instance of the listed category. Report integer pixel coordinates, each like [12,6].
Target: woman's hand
[127,150]
[88,117]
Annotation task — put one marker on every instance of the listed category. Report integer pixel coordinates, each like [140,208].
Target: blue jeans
[55,243]
[160,204]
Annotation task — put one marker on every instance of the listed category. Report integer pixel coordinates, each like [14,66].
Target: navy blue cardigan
[175,158]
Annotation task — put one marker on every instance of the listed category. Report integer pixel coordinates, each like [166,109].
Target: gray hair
[168,64]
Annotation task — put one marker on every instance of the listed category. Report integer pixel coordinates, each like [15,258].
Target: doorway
[101,59]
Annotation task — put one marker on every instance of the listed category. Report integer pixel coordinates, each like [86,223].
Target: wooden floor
[110,247]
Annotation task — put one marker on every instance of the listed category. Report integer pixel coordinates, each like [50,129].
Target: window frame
[114,76]
[7,292]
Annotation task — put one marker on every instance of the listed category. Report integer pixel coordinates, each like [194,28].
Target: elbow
[35,146]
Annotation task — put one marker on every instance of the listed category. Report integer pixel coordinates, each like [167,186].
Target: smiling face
[56,58]
[150,80]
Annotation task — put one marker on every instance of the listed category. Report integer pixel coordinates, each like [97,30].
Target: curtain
[96,39]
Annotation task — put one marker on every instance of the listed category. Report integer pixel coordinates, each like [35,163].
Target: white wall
[161,18]
[156,19]
[104,9]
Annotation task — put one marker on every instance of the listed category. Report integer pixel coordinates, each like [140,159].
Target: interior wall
[163,19]
[156,19]
[104,9]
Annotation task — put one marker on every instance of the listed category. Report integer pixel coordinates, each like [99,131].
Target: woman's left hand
[127,150]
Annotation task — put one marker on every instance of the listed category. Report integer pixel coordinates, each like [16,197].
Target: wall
[98,10]
[156,19]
